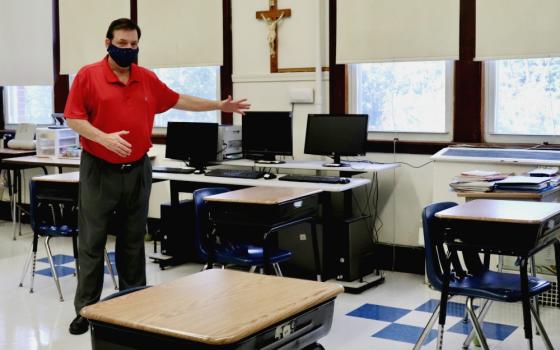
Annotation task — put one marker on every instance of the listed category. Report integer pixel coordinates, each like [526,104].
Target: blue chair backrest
[51,208]
[201,219]
[433,246]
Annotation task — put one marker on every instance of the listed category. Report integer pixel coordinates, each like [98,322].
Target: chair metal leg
[277,269]
[53,270]
[540,327]
[110,268]
[427,329]
[466,316]
[481,315]
[252,269]
[26,266]
[439,345]
[33,272]
[476,325]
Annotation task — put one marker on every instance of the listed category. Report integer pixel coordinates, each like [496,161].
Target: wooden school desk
[514,228]
[216,309]
[265,210]
[16,164]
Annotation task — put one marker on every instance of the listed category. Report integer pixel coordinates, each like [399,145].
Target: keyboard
[165,169]
[241,174]
[314,178]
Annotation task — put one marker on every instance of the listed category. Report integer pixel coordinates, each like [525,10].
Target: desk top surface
[43,161]
[75,177]
[354,182]
[316,165]
[71,177]
[495,210]
[262,195]
[213,307]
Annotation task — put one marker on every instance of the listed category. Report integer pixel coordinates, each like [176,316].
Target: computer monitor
[336,135]
[265,135]
[194,143]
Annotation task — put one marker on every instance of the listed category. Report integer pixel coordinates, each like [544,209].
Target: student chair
[474,281]
[225,252]
[53,213]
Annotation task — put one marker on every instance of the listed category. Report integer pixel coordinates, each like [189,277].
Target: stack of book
[525,183]
[476,181]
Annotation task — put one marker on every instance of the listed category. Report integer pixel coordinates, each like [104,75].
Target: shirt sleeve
[164,96]
[76,106]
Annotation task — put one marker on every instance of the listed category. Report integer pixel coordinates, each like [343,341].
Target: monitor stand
[336,163]
[266,161]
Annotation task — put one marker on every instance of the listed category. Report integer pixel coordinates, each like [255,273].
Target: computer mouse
[198,172]
[344,180]
[269,176]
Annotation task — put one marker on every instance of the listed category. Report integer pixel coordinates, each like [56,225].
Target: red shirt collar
[111,77]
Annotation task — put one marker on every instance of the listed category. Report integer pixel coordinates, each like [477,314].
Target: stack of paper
[476,181]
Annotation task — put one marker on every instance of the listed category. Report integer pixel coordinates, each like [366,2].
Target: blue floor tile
[453,309]
[61,271]
[379,312]
[59,259]
[404,333]
[491,330]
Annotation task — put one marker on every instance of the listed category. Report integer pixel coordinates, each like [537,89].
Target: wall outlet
[301,95]
[302,237]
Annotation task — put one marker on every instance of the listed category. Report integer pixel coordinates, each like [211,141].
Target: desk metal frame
[523,241]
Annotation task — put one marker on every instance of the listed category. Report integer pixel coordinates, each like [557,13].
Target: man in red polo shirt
[112,105]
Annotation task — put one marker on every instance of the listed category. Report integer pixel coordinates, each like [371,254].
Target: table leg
[557,258]
[526,302]
[535,298]
[14,203]
[443,300]
[316,254]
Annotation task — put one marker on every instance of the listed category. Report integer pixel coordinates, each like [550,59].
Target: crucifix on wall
[273,16]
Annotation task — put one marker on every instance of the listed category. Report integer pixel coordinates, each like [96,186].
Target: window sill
[430,148]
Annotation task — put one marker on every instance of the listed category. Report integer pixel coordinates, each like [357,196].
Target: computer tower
[177,231]
[297,239]
[346,250]
[229,142]
[354,249]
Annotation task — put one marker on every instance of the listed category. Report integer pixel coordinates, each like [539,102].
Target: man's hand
[115,143]
[230,106]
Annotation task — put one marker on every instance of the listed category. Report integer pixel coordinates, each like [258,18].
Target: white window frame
[445,136]
[6,109]
[160,130]
[490,83]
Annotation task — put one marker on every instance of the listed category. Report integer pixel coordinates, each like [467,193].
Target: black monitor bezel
[267,154]
[196,162]
[363,150]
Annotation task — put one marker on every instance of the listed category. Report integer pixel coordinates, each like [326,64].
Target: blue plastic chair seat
[248,255]
[52,230]
[498,286]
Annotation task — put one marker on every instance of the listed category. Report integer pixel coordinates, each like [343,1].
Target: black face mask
[123,57]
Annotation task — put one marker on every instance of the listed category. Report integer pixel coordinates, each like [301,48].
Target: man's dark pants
[104,189]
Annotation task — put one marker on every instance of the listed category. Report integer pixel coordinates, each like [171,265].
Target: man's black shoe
[79,325]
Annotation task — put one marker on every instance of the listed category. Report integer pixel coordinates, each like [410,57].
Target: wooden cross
[272,17]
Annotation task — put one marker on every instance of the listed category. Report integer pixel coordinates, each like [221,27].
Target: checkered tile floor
[405,325]
[64,265]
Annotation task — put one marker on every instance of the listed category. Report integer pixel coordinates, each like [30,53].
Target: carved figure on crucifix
[272,27]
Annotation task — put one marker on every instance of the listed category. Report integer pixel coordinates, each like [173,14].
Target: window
[404,97]
[28,104]
[523,100]
[195,81]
